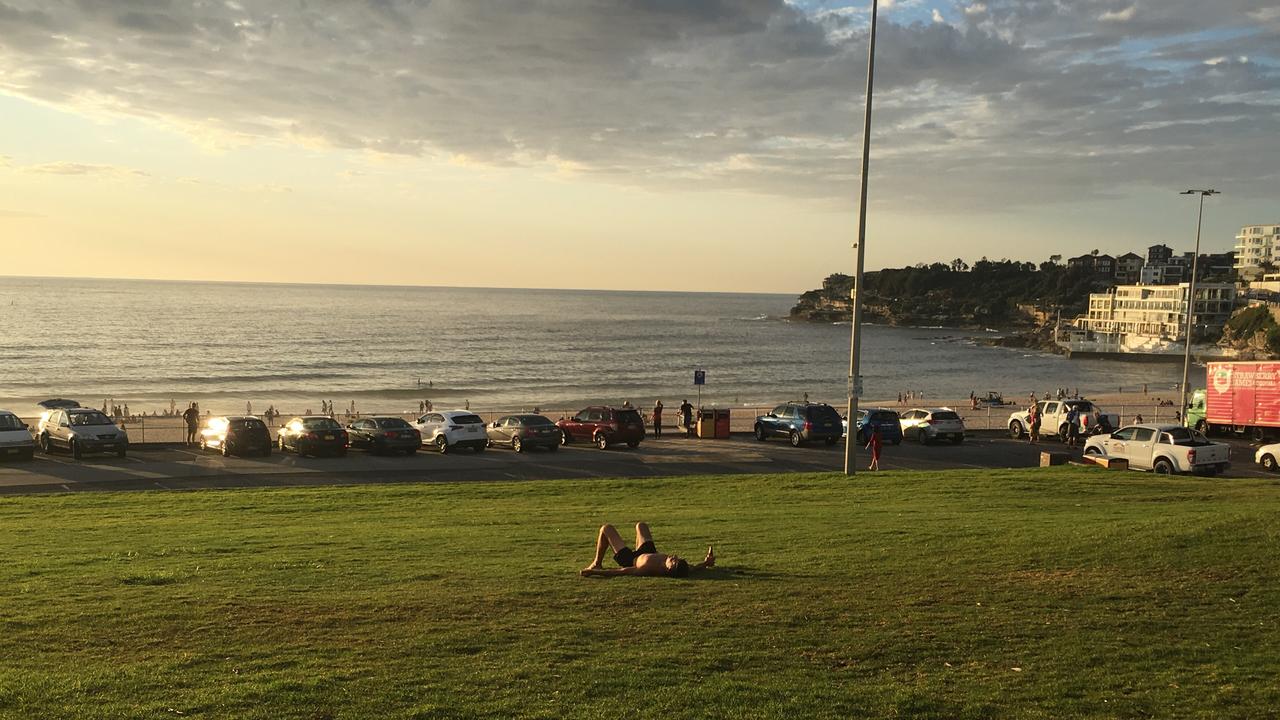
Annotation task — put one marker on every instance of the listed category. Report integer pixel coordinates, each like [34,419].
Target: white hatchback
[15,437]
[1268,456]
[452,428]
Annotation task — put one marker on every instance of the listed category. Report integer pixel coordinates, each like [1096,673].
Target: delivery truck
[1242,398]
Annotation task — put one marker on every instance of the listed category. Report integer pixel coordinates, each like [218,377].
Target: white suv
[927,425]
[80,430]
[453,428]
[15,437]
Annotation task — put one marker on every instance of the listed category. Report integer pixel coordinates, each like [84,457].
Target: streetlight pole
[855,339]
[1191,299]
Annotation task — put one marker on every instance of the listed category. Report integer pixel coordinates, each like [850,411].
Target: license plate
[328,437]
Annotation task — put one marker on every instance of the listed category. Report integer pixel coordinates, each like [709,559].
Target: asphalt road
[169,468]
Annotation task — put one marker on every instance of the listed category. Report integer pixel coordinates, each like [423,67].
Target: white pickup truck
[1053,418]
[1163,449]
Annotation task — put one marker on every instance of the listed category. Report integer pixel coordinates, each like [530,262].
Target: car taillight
[928,422]
[455,427]
[1191,456]
[808,425]
[529,433]
[389,434]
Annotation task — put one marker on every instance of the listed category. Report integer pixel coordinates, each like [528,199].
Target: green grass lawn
[1040,593]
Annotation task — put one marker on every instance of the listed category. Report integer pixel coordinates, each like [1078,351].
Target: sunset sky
[633,144]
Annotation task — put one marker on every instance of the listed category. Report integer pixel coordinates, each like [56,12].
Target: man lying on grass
[645,560]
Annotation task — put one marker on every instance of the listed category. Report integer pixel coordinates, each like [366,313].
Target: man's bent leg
[608,538]
[642,534]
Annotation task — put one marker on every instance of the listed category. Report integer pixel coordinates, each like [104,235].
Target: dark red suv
[603,426]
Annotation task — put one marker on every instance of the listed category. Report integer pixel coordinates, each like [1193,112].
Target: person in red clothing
[875,443]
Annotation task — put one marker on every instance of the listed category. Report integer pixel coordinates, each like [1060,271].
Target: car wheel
[1259,435]
[1016,431]
[342,452]
[1268,463]
[1092,451]
[922,436]
[564,438]
[76,452]
[30,454]
[226,449]
[1163,467]
[897,441]
[442,444]
[633,444]
[553,448]
[760,433]
[1062,432]
[121,453]
[479,448]
[46,445]
[282,447]
[602,442]
[411,451]
[517,445]
[796,438]
[202,445]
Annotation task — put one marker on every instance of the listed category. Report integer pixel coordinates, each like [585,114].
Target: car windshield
[393,423]
[10,422]
[89,418]
[885,416]
[320,424]
[534,420]
[628,416]
[466,420]
[248,424]
[945,415]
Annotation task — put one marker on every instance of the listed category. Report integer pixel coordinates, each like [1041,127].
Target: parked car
[384,434]
[312,435]
[452,428]
[524,431]
[883,418]
[932,424]
[1268,456]
[15,437]
[992,399]
[1163,448]
[603,426]
[236,435]
[80,430]
[1053,419]
[801,422]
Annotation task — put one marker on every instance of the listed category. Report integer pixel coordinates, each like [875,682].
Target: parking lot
[176,467]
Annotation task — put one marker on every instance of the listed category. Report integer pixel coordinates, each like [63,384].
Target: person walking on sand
[874,444]
[657,419]
[686,417]
[192,417]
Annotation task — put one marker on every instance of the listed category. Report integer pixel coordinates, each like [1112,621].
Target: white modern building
[1150,318]
[1256,247]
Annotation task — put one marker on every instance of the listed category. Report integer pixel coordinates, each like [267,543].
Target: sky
[621,144]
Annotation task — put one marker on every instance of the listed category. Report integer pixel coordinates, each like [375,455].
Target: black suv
[801,422]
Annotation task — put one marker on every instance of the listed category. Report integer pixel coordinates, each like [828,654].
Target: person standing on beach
[657,419]
[192,417]
[1073,426]
[1034,420]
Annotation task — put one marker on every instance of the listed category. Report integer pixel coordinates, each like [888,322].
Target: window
[1125,434]
[10,422]
[596,415]
[1143,435]
[320,423]
[394,423]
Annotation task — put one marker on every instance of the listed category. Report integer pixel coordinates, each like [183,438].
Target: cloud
[1017,101]
[75,168]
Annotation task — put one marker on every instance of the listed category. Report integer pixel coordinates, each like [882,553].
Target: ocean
[386,349]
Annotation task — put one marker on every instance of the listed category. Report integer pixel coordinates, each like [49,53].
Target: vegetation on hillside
[984,293]
[1253,330]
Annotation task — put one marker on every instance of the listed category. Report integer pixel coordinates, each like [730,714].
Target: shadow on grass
[716,573]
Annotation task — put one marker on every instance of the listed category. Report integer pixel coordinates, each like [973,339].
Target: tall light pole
[1191,299]
[855,339]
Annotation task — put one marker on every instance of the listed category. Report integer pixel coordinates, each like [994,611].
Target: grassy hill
[1044,594]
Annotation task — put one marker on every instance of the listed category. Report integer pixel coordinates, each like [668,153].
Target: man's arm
[606,572]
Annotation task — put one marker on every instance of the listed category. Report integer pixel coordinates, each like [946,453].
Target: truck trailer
[1242,398]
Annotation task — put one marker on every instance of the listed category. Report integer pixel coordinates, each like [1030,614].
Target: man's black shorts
[626,557]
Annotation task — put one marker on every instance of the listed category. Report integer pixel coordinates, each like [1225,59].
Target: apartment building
[1156,312]
[1257,250]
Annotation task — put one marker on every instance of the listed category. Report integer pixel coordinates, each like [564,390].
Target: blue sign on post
[699,377]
